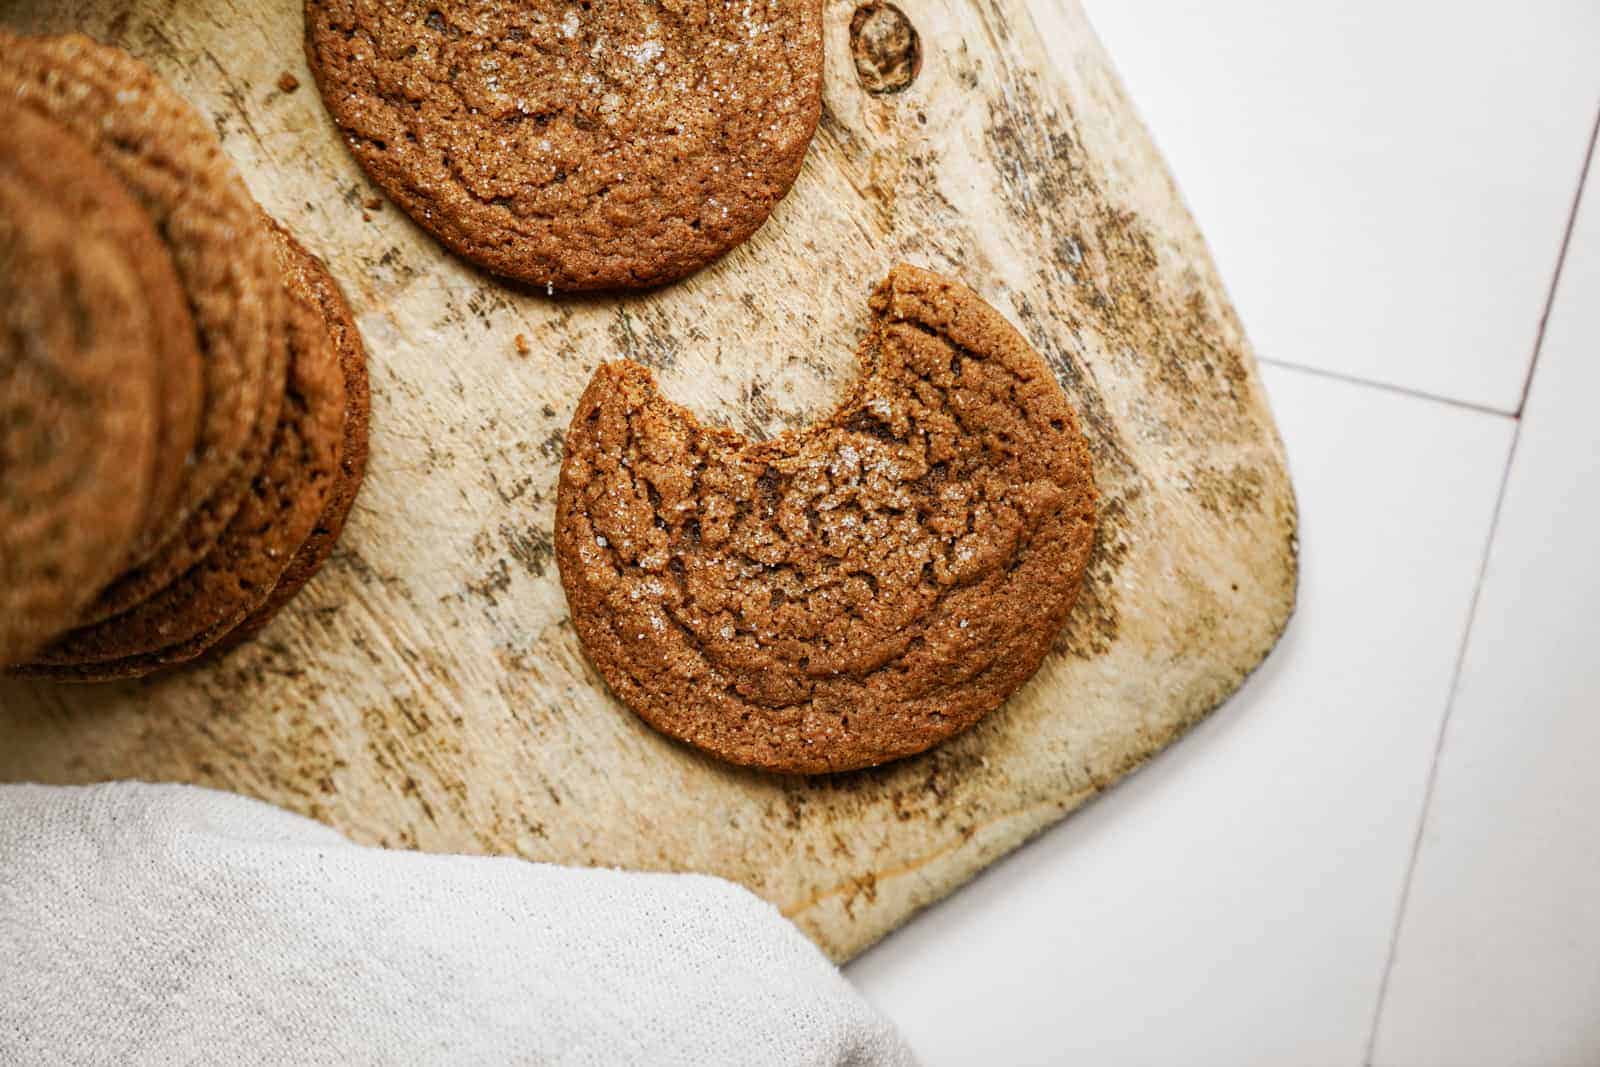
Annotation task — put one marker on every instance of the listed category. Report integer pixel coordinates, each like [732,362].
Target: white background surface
[1386,848]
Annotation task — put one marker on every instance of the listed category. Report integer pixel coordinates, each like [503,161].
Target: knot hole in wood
[887,48]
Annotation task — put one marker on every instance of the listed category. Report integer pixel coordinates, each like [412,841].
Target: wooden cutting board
[428,692]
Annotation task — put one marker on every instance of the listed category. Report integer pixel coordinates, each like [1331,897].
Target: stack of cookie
[183,397]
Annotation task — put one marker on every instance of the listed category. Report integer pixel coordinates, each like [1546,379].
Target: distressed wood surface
[427,691]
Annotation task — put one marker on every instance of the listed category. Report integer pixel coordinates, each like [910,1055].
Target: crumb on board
[373,203]
[287,83]
[523,348]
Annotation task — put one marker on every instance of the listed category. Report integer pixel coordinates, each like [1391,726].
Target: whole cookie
[278,513]
[58,170]
[312,281]
[844,595]
[168,157]
[78,413]
[580,146]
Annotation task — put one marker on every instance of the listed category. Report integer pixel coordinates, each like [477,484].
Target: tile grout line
[1561,259]
[1438,748]
[1472,615]
[1388,387]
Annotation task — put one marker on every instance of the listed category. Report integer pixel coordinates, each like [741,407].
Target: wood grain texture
[427,690]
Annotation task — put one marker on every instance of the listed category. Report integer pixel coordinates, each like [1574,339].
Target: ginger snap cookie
[79,404]
[280,510]
[199,533]
[309,280]
[167,156]
[846,594]
[577,146]
[57,170]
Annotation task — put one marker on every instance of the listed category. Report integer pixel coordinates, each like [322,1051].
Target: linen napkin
[175,925]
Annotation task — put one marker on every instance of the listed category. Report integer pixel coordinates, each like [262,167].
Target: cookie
[313,281]
[198,535]
[614,145]
[846,594]
[167,156]
[59,171]
[78,415]
[279,512]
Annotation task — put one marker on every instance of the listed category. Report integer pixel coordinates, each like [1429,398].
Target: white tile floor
[1503,917]
[1384,182]
[1312,877]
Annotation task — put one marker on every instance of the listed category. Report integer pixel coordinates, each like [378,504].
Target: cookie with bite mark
[846,594]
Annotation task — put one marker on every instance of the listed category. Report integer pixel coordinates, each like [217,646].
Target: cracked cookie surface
[846,594]
[607,145]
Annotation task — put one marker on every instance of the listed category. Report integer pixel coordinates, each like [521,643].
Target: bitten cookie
[279,512]
[620,144]
[78,413]
[168,157]
[57,170]
[309,280]
[844,595]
